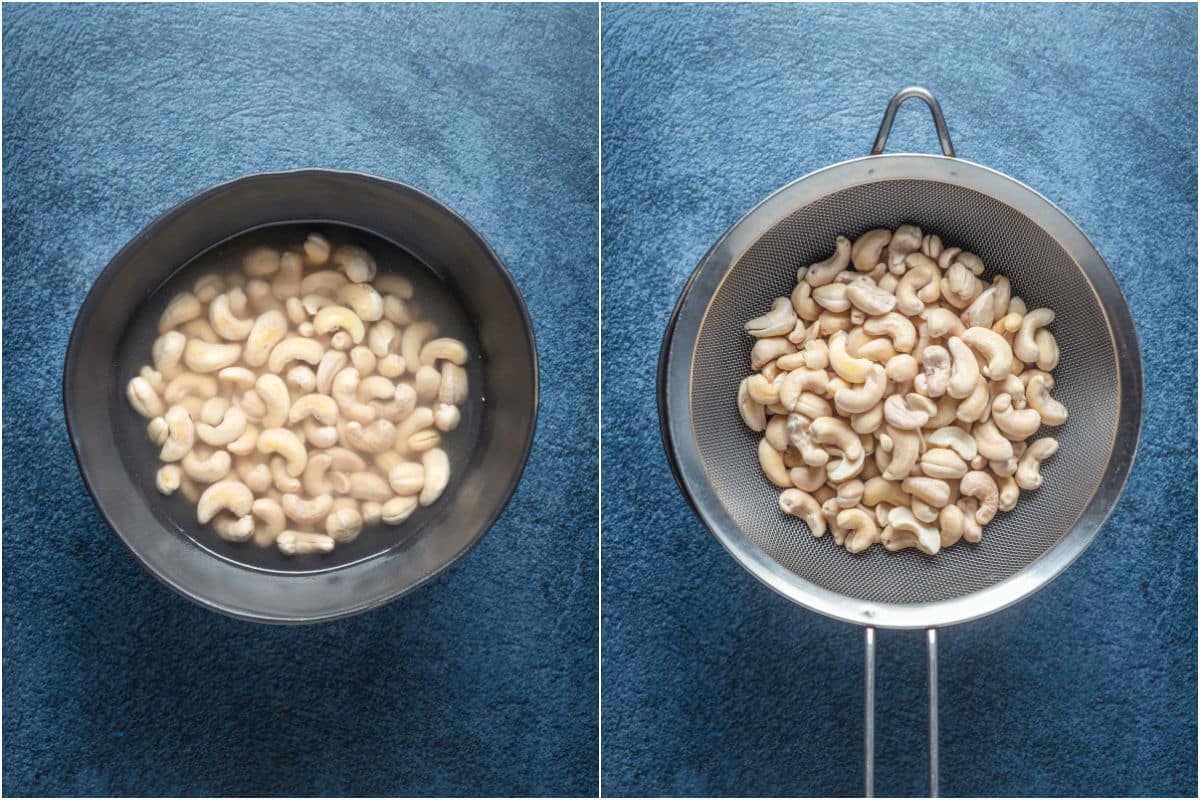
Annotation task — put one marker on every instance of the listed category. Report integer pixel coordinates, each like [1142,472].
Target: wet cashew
[437,475]
[297,543]
[183,308]
[232,496]
[982,487]
[209,469]
[287,444]
[181,434]
[201,356]
[168,478]
[144,398]
[276,401]
[1029,476]
[356,262]
[294,348]
[339,318]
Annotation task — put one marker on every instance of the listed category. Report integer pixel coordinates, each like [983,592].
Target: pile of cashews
[918,437]
[300,399]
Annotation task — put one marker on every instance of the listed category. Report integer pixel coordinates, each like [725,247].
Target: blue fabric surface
[483,682]
[713,684]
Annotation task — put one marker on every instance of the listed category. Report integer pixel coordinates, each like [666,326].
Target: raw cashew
[850,368]
[771,462]
[232,496]
[990,443]
[1016,424]
[801,504]
[1024,344]
[824,272]
[397,509]
[200,356]
[935,378]
[1037,395]
[343,525]
[167,353]
[857,528]
[446,349]
[924,537]
[861,398]
[994,350]
[777,322]
[908,412]
[181,434]
[1029,476]
[224,321]
[868,249]
[373,438]
[896,327]
[869,298]
[941,462]
[905,447]
[316,250]
[933,491]
[210,469]
[918,286]
[306,511]
[982,487]
[356,262]
[437,475]
[268,330]
[407,478]
[287,444]
[370,486]
[297,543]
[413,339]
[168,479]
[144,399]
[344,391]
[320,407]
[294,348]
[184,307]
[964,373]
[363,300]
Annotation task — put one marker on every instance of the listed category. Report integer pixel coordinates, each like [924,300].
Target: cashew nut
[1029,476]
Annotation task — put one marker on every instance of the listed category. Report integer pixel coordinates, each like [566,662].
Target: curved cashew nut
[823,272]
[924,537]
[437,475]
[976,405]
[344,390]
[770,461]
[339,318]
[320,407]
[881,490]
[396,510]
[799,503]
[375,387]
[376,437]
[858,529]
[333,362]
[316,480]
[206,470]
[836,433]
[868,249]
[905,447]
[942,323]
[316,250]
[908,412]
[168,479]
[964,373]
[231,426]
[413,338]
[993,348]
[268,330]
[369,486]
[869,298]
[167,353]
[363,360]
[232,496]
[274,393]
[245,444]
[933,491]
[184,307]
[413,428]
[304,510]
[363,299]
[807,478]
[1018,424]
[1024,344]
[201,356]
[357,263]
[238,379]
[1037,395]
[867,421]
[294,348]
[261,262]
[777,322]
[287,444]
[156,429]
[902,368]
[768,349]
[302,379]
[326,282]
[918,286]
[1010,492]
[951,524]
[896,327]
[935,378]
[226,323]
[982,310]
[982,487]
[954,438]
[273,520]
[862,398]
[831,297]
[298,543]
[446,349]
[1029,476]
[143,398]
[944,463]
[1047,350]
[800,435]
[383,338]
[850,368]
[181,434]
[990,443]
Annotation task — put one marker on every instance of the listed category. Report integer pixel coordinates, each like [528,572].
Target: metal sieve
[1050,262]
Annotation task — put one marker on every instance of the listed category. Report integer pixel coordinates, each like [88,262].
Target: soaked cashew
[265,386]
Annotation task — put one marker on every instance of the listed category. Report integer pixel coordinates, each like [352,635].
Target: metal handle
[869,714]
[889,116]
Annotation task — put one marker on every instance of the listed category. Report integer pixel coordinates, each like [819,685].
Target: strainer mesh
[1041,272]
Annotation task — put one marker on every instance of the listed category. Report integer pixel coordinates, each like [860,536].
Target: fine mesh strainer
[1017,233]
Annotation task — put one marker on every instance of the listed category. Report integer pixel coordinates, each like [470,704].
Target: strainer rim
[676,358]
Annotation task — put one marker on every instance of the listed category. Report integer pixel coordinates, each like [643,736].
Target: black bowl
[454,270]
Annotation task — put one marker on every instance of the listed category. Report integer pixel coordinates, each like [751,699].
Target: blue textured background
[712,684]
[483,682]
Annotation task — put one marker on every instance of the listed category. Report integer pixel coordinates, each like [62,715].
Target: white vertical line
[599,400]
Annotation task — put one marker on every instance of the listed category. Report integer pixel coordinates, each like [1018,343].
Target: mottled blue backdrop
[712,684]
[483,682]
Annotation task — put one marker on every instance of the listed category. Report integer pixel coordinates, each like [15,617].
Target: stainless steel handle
[869,713]
[889,116]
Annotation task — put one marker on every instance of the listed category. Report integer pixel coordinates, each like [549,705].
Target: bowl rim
[91,302]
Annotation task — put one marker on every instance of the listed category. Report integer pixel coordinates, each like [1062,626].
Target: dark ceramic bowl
[459,281]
